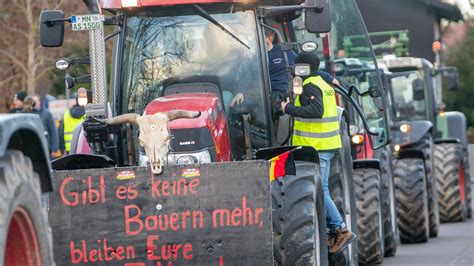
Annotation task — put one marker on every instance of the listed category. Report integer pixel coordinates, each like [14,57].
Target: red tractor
[205,62]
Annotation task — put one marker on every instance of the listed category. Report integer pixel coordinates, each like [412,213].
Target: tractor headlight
[302,70]
[297,85]
[396,148]
[357,139]
[190,158]
[129,3]
[405,128]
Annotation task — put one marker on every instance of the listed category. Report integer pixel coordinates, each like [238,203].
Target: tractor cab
[413,88]
[213,59]
[176,51]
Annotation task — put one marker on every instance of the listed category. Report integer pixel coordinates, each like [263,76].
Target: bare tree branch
[14,60]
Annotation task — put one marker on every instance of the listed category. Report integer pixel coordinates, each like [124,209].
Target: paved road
[454,246]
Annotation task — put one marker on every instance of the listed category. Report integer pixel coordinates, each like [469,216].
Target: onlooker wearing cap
[17,105]
[49,126]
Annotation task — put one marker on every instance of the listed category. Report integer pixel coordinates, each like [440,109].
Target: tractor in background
[372,173]
[412,78]
[451,166]
[199,57]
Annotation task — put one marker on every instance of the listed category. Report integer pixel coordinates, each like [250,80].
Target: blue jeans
[333,217]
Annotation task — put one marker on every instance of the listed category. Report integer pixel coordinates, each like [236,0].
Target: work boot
[340,240]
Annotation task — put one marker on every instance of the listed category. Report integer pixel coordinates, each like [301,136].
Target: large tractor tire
[452,182]
[433,207]
[342,192]
[369,215]
[412,200]
[25,236]
[467,180]
[299,219]
[389,206]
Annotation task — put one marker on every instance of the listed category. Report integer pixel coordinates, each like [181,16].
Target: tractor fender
[25,132]
[410,153]
[419,130]
[453,125]
[366,163]
[447,140]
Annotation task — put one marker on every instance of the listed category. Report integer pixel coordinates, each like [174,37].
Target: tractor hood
[418,130]
[206,103]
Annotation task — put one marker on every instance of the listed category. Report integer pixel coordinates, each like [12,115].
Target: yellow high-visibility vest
[69,124]
[320,133]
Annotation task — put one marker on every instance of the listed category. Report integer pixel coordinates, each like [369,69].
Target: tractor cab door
[357,73]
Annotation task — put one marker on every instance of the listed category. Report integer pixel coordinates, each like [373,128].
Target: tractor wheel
[412,200]
[299,219]
[389,206]
[24,230]
[342,192]
[467,180]
[427,147]
[369,215]
[451,181]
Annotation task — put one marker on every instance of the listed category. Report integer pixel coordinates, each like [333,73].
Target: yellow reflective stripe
[318,120]
[316,135]
[320,144]
[317,127]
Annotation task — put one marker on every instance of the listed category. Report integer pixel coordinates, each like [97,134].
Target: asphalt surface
[453,246]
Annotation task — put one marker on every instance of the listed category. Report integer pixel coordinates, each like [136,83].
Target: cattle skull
[154,134]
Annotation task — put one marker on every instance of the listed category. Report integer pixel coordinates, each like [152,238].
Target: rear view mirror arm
[342,91]
[51,22]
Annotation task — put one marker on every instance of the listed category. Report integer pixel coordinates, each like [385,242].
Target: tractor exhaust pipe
[97,59]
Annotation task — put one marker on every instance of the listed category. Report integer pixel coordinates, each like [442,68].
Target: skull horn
[175,114]
[122,119]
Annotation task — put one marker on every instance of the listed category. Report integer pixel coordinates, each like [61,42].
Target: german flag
[282,165]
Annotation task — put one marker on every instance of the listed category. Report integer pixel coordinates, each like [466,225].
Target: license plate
[86,22]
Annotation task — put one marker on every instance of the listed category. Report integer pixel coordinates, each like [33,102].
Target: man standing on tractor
[279,73]
[317,125]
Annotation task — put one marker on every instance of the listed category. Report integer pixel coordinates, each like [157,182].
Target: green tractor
[372,169]
[420,140]
[450,156]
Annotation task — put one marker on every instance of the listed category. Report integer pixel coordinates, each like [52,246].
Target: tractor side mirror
[451,80]
[318,16]
[450,77]
[375,92]
[52,28]
[418,86]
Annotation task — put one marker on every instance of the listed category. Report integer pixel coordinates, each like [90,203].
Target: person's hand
[336,82]
[238,99]
[56,154]
[284,103]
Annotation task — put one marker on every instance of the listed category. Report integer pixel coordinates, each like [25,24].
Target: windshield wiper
[206,15]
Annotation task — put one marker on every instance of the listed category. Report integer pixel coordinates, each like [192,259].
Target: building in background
[466,7]
[423,18]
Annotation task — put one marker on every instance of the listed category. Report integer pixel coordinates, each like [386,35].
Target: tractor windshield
[406,105]
[172,44]
[357,68]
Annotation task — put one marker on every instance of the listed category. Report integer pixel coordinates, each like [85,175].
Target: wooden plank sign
[212,214]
